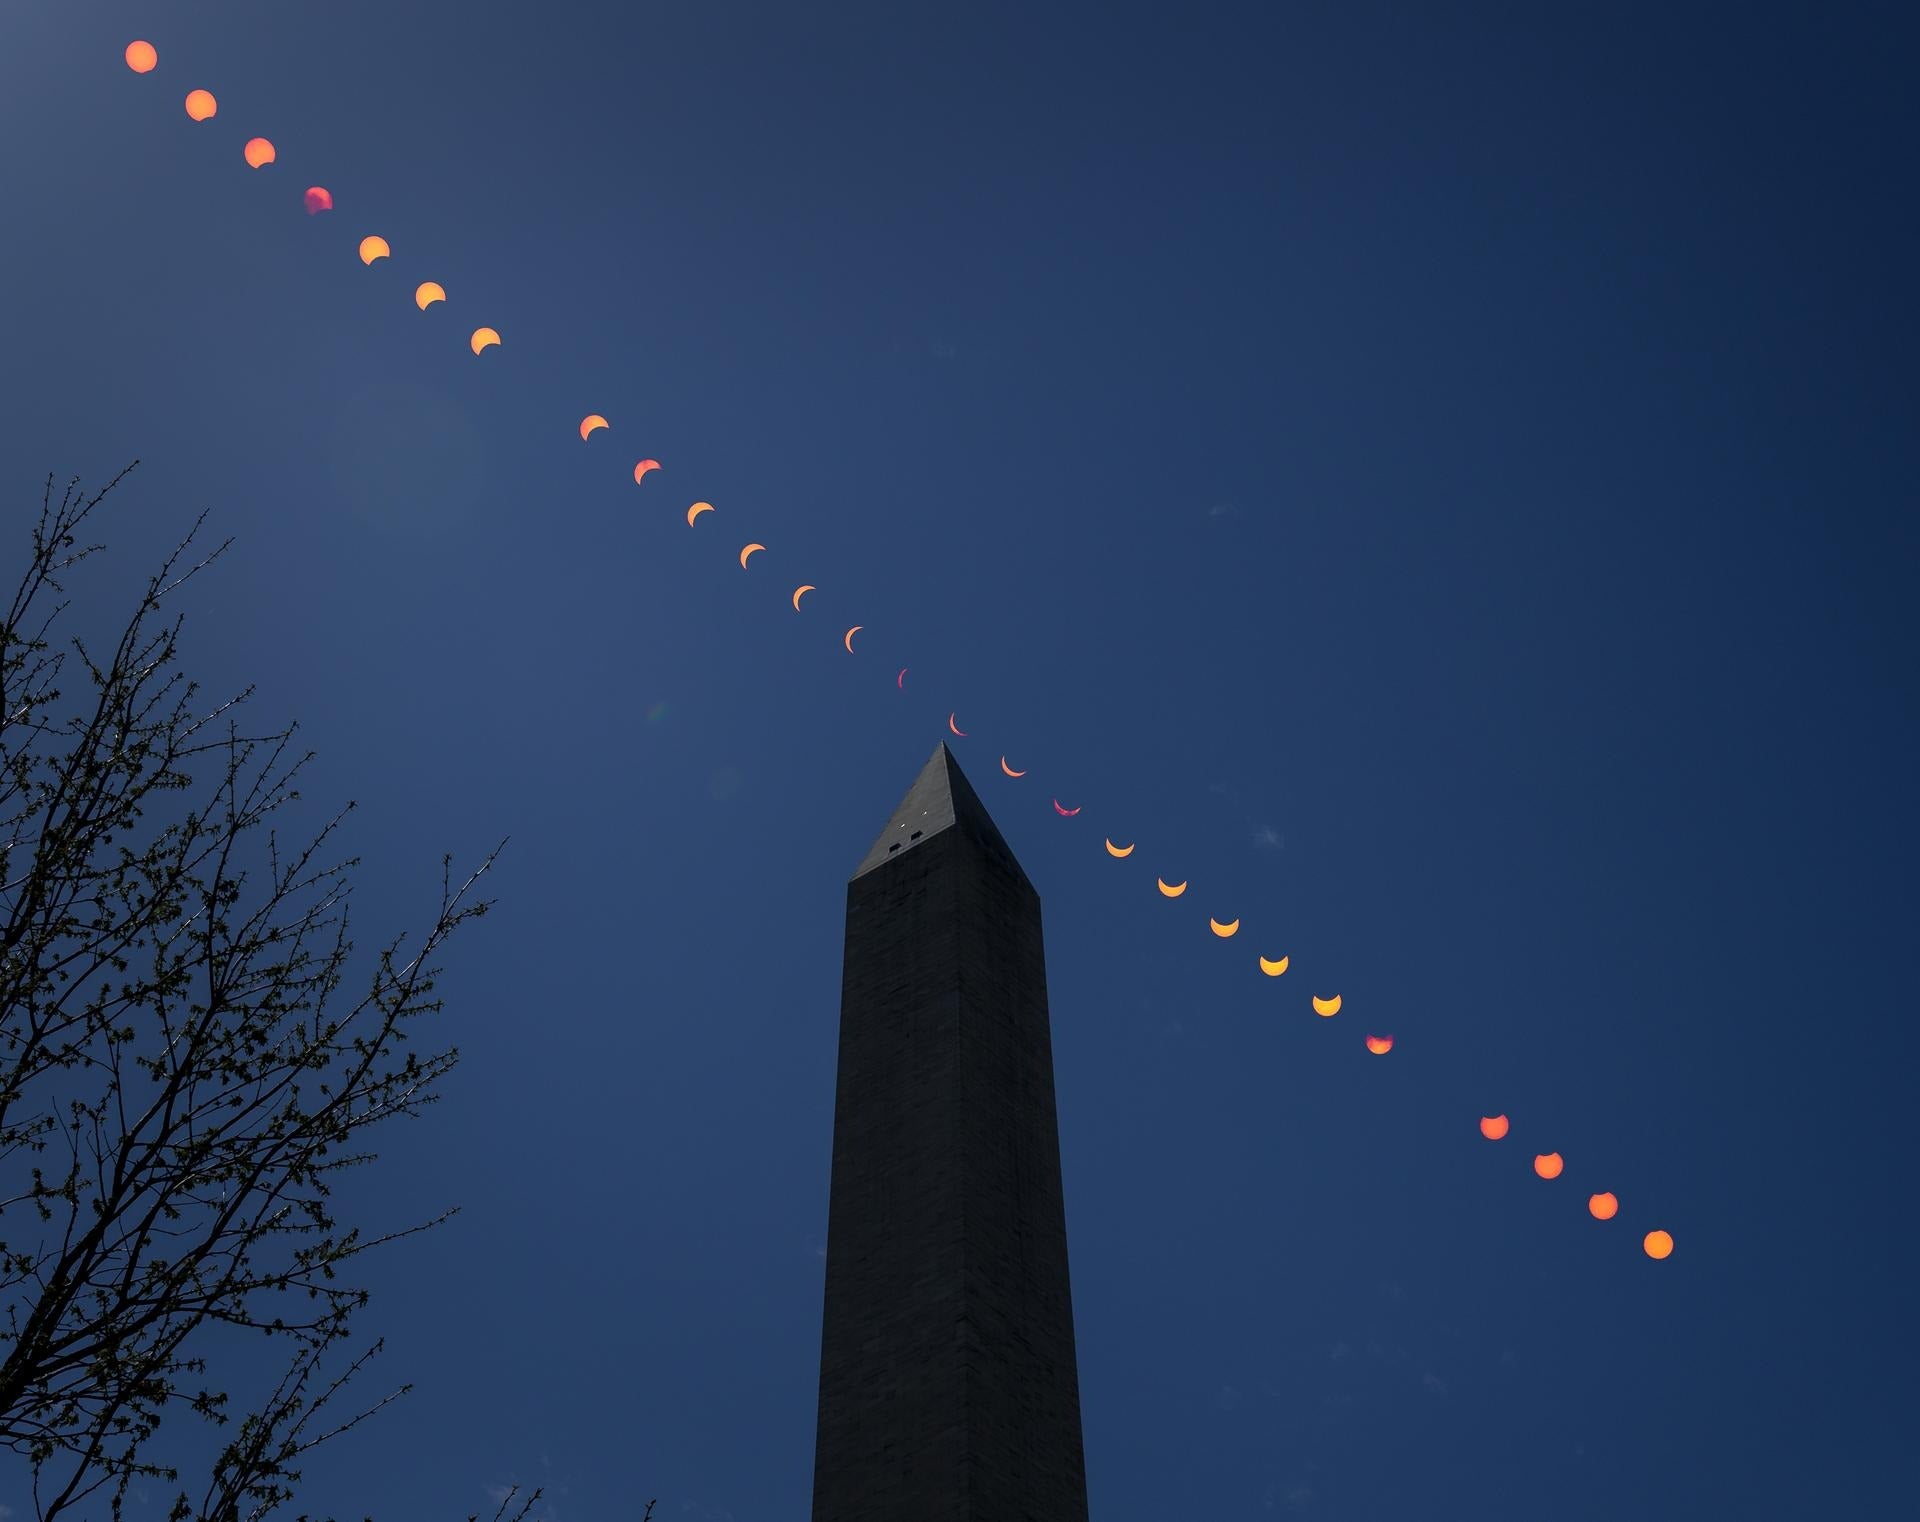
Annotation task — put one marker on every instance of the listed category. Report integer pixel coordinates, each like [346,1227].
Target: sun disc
[1114,850]
[318,199]
[141,57]
[201,105]
[1493,1127]
[590,422]
[1549,1165]
[1379,1045]
[1604,1206]
[1273,968]
[427,293]
[258,153]
[373,247]
[1658,1244]
[483,338]
[1328,1007]
[1223,930]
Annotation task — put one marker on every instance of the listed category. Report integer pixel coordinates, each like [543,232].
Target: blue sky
[1443,485]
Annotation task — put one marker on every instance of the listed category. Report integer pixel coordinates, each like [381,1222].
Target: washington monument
[948,1388]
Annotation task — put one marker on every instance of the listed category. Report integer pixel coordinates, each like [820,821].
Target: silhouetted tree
[179,1086]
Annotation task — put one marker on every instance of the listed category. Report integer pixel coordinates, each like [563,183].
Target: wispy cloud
[1435,1385]
[1224,510]
[1267,838]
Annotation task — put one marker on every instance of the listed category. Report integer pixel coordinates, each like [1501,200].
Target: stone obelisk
[948,1386]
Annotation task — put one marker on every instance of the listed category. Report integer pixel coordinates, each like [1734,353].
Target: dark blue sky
[1443,485]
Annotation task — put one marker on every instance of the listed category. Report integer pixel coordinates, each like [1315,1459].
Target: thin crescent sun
[1171,892]
[1326,1006]
[642,468]
[1066,813]
[748,551]
[850,634]
[1114,850]
[696,510]
[590,422]
[955,727]
[1223,931]
[901,680]
[1008,769]
[800,592]
[1273,968]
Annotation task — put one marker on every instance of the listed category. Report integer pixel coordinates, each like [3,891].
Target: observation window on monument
[914,836]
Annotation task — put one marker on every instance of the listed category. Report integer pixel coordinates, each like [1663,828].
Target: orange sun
[1493,1127]
[1604,1207]
[141,57]
[1549,1164]
[201,105]
[1658,1244]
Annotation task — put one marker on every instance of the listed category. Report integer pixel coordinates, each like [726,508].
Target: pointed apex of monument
[940,798]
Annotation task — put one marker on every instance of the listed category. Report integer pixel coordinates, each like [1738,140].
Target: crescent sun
[696,510]
[850,634]
[1326,1006]
[955,727]
[1066,813]
[590,422]
[642,468]
[1223,931]
[901,680]
[800,592]
[748,551]
[1171,892]
[1114,850]
[1008,769]
[1272,968]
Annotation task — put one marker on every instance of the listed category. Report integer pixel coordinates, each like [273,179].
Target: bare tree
[179,1086]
